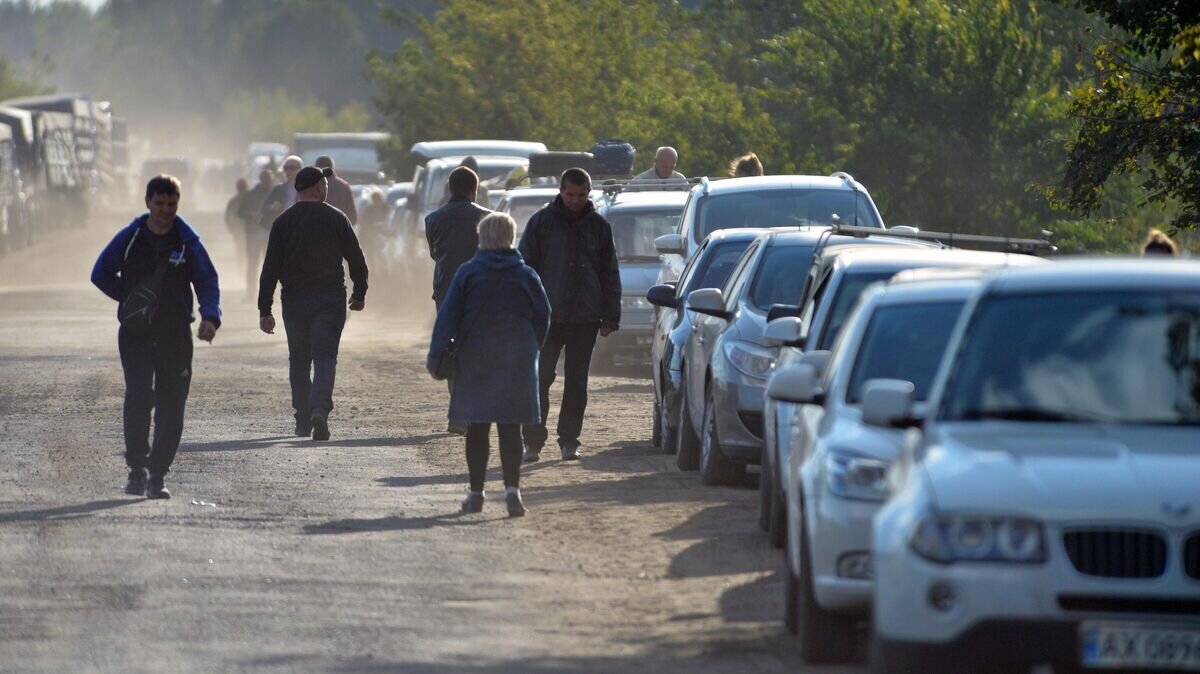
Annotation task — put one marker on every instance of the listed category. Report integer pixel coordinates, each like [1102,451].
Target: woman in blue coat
[497,314]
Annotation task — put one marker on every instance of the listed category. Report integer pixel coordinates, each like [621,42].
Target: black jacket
[577,261]
[308,243]
[453,239]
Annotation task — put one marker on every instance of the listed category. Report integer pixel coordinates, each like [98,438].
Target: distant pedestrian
[745,166]
[282,195]
[1158,243]
[571,248]
[373,227]
[451,230]
[255,233]
[151,267]
[497,314]
[663,170]
[341,196]
[234,221]
[308,242]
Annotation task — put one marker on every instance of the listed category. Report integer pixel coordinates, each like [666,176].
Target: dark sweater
[308,242]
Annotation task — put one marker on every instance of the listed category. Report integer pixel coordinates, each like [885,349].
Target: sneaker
[570,453]
[320,427]
[473,503]
[516,508]
[155,488]
[303,428]
[532,455]
[136,485]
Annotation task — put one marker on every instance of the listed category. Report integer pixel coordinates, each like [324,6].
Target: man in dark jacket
[570,246]
[451,230]
[255,235]
[160,256]
[341,196]
[308,242]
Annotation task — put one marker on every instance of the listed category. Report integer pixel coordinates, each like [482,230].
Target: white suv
[1049,513]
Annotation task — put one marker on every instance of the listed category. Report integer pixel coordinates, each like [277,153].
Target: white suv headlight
[947,539]
[635,303]
[751,360]
[852,476]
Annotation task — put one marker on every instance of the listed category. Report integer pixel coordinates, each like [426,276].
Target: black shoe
[473,503]
[570,453]
[532,455]
[136,485]
[320,427]
[155,488]
[303,428]
[515,507]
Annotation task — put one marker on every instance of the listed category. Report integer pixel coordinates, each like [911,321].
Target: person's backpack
[614,157]
[137,311]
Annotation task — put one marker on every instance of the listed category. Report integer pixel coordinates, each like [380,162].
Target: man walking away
[256,233]
[570,246]
[341,196]
[233,219]
[151,267]
[304,253]
[663,171]
[451,230]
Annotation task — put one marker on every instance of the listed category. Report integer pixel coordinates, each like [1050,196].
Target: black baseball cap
[311,175]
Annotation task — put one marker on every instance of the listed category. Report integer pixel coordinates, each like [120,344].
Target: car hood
[850,434]
[637,276]
[1065,471]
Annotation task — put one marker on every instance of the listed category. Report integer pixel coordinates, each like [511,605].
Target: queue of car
[986,457]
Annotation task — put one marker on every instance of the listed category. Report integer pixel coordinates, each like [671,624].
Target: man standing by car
[304,253]
[571,248]
[151,267]
[340,195]
[663,171]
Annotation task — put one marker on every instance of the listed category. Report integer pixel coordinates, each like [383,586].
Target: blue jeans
[314,330]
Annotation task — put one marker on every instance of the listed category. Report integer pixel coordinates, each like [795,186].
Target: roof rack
[999,244]
[843,175]
[612,188]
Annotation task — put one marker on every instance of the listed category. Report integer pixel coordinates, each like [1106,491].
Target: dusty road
[280,554]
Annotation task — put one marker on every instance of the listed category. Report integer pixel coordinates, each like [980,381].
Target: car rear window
[782,208]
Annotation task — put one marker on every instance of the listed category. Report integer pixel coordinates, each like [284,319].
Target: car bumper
[839,533]
[740,418]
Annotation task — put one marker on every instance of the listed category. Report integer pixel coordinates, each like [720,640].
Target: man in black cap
[308,242]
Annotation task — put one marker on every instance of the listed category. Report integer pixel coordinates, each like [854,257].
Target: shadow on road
[68,512]
[396,523]
[233,445]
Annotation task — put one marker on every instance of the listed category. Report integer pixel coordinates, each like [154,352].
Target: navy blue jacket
[453,239]
[130,257]
[498,315]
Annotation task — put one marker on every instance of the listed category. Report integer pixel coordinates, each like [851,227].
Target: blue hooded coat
[497,313]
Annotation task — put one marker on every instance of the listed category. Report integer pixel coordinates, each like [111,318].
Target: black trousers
[314,332]
[578,340]
[158,376]
[510,453]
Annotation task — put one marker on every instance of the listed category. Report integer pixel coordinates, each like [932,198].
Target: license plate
[1139,645]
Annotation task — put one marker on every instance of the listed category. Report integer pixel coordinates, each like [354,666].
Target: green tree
[1140,113]
[13,85]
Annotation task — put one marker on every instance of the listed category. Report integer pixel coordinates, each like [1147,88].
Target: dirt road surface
[281,554]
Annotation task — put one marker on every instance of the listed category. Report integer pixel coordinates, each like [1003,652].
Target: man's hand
[606,331]
[267,324]
[357,304]
[207,331]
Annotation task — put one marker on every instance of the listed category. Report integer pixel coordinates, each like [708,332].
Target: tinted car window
[848,292]
[1117,357]
[634,232]
[904,342]
[780,276]
[719,264]
[782,208]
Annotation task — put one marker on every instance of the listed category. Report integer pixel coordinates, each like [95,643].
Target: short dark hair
[470,162]
[575,176]
[463,182]
[323,161]
[163,184]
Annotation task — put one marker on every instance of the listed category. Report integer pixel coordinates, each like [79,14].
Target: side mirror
[670,244]
[887,403]
[782,311]
[662,296]
[708,301]
[782,331]
[796,384]
[819,360]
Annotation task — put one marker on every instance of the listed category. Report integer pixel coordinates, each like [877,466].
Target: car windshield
[719,264]
[782,208]
[634,232]
[851,289]
[1114,357]
[345,158]
[903,341]
[437,189]
[780,276]
[523,209]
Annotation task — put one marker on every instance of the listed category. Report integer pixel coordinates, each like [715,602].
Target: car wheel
[668,431]
[825,637]
[764,492]
[687,445]
[715,468]
[777,507]
[656,427]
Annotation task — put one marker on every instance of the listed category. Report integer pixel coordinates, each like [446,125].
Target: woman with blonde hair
[746,165]
[491,326]
[1158,243]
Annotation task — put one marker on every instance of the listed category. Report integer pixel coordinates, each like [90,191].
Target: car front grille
[1117,552]
[1191,555]
[753,423]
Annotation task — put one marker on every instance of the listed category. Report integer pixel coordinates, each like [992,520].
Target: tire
[715,468]
[687,445]
[824,637]
[656,426]
[777,513]
[668,432]
[764,492]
